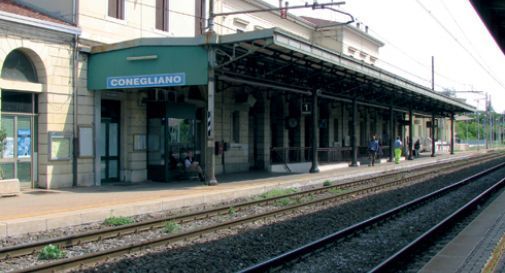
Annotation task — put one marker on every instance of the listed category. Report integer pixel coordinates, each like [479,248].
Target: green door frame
[107,157]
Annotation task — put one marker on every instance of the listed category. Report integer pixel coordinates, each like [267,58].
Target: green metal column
[353,133]
[392,136]
[433,135]
[210,165]
[315,132]
[452,133]
[411,133]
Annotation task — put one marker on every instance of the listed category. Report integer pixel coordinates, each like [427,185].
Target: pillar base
[314,170]
[212,182]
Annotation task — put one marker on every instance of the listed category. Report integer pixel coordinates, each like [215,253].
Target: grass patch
[277,192]
[232,211]
[327,183]
[51,252]
[337,191]
[171,226]
[118,221]
[285,202]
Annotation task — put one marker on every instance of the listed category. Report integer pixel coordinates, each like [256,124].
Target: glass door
[17,154]
[172,130]
[110,141]
[109,150]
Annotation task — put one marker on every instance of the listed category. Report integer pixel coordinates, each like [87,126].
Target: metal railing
[284,155]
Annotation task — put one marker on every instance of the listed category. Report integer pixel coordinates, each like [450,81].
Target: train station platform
[39,210]
[479,247]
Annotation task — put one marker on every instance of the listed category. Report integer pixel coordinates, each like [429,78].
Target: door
[172,130]
[109,141]
[17,154]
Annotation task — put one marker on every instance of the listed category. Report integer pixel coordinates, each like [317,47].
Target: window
[162,15]
[116,9]
[235,119]
[17,66]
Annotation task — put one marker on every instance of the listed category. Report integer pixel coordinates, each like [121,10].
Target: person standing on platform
[373,148]
[398,149]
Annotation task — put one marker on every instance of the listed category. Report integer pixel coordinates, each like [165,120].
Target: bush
[327,183]
[118,221]
[171,226]
[51,252]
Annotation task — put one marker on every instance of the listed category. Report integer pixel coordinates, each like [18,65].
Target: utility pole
[433,73]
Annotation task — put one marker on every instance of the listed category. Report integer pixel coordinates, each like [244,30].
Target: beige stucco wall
[139,21]
[51,53]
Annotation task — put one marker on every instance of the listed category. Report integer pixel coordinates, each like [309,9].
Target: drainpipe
[75,57]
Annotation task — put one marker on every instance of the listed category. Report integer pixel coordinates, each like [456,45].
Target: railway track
[287,262]
[357,187]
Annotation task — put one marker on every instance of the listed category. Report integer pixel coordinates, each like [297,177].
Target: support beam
[354,143]
[452,133]
[315,132]
[210,166]
[411,133]
[433,135]
[392,136]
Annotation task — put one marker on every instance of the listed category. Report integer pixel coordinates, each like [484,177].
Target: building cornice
[7,16]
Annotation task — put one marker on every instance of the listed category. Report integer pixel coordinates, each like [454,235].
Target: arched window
[17,66]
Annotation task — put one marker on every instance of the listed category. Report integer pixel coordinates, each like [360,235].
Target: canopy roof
[278,60]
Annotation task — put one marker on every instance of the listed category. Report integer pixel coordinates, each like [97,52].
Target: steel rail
[412,247]
[166,240]
[329,239]
[114,232]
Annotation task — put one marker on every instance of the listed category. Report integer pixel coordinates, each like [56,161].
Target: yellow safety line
[496,255]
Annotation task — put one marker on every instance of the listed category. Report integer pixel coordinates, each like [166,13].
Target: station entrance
[110,140]
[172,131]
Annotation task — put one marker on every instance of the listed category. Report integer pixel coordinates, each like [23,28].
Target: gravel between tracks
[231,250]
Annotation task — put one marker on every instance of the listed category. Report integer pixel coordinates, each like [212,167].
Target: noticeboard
[85,141]
[60,146]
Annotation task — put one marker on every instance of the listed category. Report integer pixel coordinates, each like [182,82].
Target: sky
[466,57]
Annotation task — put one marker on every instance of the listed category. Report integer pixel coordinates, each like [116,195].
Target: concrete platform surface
[39,210]
[473,247]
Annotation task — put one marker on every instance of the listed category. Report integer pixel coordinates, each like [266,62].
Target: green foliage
[232,211]
[171,226]
[327,183]
[277,193]
[336,191]
[284,202]
[118,221]
[51,252]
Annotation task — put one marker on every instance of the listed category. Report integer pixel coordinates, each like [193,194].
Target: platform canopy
[271,59]
[276,58]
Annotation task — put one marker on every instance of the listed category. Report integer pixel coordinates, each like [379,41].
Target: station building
[121,91]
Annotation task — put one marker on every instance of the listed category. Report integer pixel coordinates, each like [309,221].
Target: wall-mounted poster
[60,146]
[8,151]
[24,143]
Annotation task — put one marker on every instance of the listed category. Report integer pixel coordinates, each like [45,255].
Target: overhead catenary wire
[460,44]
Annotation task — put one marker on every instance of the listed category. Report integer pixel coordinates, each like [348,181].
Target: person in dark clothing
[417,148]
[373,148]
